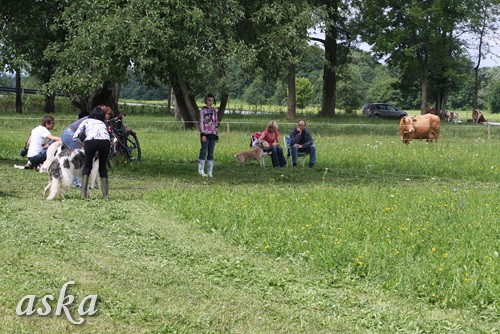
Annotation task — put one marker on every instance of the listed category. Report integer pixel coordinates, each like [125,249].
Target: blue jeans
[311,150]
[67,139]
[38,159]
[69,142]
[207,146]
[277,156]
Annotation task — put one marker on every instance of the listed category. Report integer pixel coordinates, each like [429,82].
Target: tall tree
[418,37]
[11,57]
[27,31]
[483,23]
[178,42]
[334,17]
[275,33]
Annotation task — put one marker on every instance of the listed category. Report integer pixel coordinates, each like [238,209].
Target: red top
[270,140]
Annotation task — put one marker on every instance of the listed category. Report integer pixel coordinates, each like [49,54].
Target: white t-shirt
[38,138]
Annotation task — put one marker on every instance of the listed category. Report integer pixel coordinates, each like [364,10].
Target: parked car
[382,110]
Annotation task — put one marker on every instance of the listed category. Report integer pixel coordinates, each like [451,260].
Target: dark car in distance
[383,110]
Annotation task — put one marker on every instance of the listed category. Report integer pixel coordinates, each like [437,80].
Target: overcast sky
[491,60]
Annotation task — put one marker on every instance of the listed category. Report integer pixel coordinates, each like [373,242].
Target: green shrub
[304,92]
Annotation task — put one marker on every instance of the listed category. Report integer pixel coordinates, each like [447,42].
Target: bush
[304,92]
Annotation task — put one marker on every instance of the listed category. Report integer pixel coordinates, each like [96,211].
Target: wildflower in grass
[445,255]
[433,249]
[441,269]
[467,278]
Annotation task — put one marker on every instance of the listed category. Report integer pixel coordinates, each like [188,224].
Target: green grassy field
[378,238]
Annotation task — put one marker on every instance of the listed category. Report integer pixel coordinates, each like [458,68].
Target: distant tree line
[363,80]
[255,50]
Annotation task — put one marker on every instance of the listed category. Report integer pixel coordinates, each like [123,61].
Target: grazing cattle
[432,110]
[477,116]
[451,116]
[419,127]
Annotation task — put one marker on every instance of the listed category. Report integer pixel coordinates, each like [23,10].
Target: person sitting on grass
[39,141]
[301,141]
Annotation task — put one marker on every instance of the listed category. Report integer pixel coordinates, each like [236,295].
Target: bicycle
[125,147]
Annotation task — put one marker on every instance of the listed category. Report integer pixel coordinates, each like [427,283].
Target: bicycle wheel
[113,158]
[132,147]
[124,149]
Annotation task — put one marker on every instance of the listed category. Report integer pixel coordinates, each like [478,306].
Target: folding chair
[254,141]
[288,147]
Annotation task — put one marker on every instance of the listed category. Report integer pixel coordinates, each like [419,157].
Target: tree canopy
[90,48]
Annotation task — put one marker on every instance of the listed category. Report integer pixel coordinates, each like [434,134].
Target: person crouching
[93,132]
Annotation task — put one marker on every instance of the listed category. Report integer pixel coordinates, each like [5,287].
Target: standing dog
[257,153]
[54,149]
[64,167]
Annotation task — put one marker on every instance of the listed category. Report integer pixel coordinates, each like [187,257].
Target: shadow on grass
[251,173]
[152,173]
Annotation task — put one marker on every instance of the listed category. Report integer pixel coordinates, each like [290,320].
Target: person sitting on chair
[271,135]
[301,141]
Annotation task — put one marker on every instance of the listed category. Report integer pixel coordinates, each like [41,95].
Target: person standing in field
[96,140]
[209,135]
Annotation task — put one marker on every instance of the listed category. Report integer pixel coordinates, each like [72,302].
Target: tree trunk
[224,96]
[224,93]
[178,116]
[185,101]
[116,94]
[102,96]
[19,93]
[169,99]
[423,86]
[443,104]
[439,100]
[329,75]
[50,103]
[292,94]
[476,68]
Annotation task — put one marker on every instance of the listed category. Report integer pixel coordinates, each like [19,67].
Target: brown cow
[432,110]
[477,116]
[419,127]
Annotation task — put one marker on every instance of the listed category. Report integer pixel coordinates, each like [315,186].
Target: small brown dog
[257,153]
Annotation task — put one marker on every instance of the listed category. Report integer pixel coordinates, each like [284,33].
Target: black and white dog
[53,150]
[62,169]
